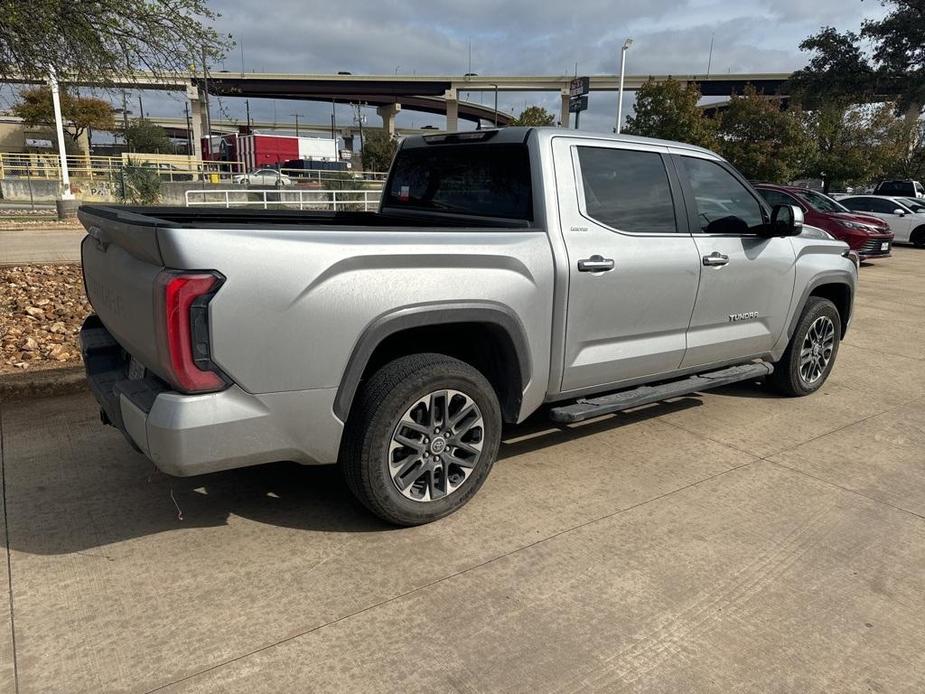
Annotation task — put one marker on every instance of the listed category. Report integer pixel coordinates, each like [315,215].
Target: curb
[38,384]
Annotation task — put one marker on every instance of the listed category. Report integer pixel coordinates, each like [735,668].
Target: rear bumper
[187,435]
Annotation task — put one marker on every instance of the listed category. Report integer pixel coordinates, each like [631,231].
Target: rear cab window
[479,180]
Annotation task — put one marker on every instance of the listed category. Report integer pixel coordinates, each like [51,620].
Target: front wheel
[421,439]
[811,353]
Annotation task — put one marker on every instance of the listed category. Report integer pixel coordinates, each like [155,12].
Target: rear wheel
[918,237]
[421,439]
[811,353]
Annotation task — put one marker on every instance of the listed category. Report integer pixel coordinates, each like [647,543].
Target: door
[746,281]
[633,266]
[885,209]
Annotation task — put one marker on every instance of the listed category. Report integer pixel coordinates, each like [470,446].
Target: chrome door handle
[715,259]
[595,263]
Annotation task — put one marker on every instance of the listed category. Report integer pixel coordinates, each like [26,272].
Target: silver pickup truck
[507,271]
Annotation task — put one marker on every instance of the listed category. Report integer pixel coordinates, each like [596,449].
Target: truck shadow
[538,431]
[113,495]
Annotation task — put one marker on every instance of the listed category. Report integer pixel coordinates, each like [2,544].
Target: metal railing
[355,200]
[322,175]
[169,167]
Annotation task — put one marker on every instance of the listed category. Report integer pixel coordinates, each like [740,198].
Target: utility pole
[205,88]
[125,117]
[296,123]
[189,131]
[141,108]
[247,110]
[359,119]
[710,59]
[496,105]
[333,121]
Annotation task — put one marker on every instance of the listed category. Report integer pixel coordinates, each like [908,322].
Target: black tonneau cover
[178,217]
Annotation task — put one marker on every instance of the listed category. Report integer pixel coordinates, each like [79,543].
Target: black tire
[918,237]
[381,403]
[787,378]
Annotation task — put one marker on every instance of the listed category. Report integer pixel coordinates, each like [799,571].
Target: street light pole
[626,47]
[66,205]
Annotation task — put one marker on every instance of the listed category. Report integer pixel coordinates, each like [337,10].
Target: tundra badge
[735,317]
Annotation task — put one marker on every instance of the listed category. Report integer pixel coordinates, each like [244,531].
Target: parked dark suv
[903,189]
[868,236]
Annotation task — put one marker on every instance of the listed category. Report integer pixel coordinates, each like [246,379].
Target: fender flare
[828,277]
[428,314]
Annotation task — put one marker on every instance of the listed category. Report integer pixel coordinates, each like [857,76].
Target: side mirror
[899,213]
[786,220]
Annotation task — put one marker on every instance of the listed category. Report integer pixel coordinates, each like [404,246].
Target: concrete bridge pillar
[196,118]
[564,114]
[452,110]
[388,113]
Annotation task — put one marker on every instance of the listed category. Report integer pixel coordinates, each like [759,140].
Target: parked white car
[907,224]
[264,177]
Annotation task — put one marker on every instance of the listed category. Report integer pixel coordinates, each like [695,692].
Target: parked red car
[868,236]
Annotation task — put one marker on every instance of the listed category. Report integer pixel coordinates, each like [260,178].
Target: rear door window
[774,197]
[856,204]
[627,190]
[881,206]
[483,180]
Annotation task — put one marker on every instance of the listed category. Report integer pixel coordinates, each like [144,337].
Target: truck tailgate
[121,260]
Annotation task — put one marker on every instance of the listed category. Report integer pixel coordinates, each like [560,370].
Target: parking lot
[734,541]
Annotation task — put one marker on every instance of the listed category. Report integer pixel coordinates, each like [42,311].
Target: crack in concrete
[448,577]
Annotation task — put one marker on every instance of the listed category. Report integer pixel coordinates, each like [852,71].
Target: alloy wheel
[816,351]
[436,445]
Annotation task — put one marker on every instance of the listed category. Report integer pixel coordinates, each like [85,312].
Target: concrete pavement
[734,541]
[52,245]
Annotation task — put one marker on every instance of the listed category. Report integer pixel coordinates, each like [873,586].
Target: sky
[508,38]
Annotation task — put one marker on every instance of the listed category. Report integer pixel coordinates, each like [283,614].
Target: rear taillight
[184,349]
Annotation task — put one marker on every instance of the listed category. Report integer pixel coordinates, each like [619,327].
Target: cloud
[515,37]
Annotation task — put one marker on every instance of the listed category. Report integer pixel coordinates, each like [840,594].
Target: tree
[105,37]
[898,150]
[838,72]
[842,145]
[669,111]
[142,135]
[534,115]
[761,140]
[141,185]
[378,149]
[899,49]
[80,113]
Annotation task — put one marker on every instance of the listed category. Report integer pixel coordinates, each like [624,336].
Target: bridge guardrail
[46,166]
[281,198]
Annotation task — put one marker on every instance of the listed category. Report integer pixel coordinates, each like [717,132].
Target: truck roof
[519,134]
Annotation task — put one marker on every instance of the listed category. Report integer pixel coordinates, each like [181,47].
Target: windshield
[914,204]
[483,180]
[822,203]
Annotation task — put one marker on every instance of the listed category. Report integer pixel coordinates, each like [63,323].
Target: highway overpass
[437,94]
